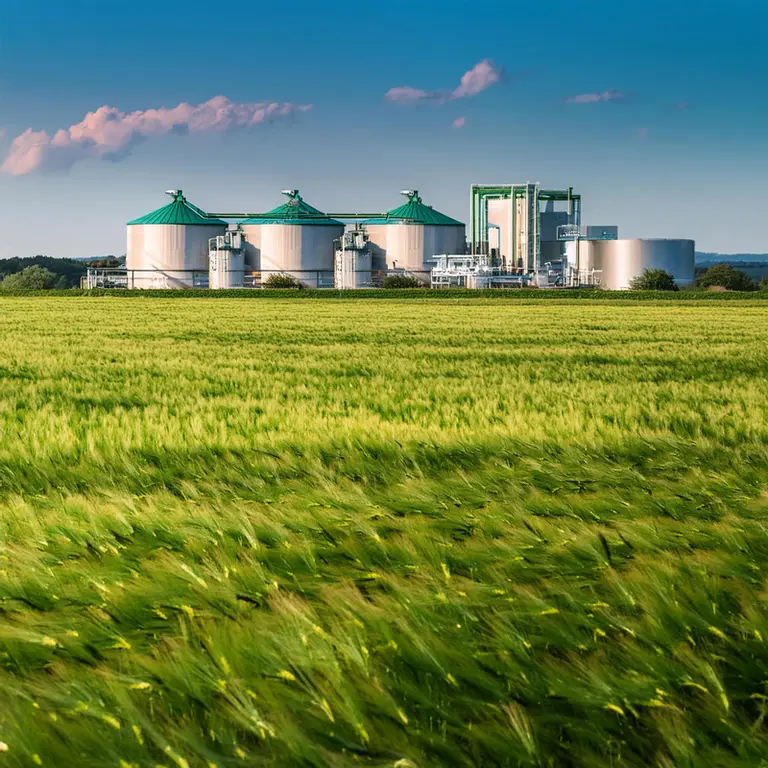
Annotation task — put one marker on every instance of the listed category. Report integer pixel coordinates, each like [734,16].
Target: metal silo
[410,235]
[168,248]
[296,239]
[621,261]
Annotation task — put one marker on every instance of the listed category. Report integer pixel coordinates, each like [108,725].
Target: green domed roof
[415,212]
[180,212]
[295,211]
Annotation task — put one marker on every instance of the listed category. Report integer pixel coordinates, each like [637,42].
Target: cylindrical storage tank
[580,256]
[168,248]
[586,255]
[410,235]
[295,239]
[226,262]
[621,261]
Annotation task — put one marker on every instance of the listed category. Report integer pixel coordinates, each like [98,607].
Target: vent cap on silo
[179,212]
[295,211]
[415,212]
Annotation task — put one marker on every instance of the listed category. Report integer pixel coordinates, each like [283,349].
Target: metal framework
[524,237]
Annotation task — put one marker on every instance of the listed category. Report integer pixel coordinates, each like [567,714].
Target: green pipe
[307,216]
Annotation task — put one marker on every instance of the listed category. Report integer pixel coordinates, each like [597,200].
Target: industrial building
[519,223]
[519,235]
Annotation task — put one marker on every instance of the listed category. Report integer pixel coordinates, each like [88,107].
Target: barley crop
[383,533]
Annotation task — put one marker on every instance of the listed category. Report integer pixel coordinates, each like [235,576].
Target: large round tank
[168,248]
[580,255]
[410,235]
[293,238]
[621,261]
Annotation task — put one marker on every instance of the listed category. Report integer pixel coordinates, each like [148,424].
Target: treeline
[721,277]
[725,276]
[40,272]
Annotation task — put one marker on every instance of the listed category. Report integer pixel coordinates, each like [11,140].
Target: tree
[33,278]
[725,276]
[764,283]
[401,281]
[108,262]
[280,280]
[71,269]
[654,280]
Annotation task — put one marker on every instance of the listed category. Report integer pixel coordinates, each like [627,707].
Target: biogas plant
[520,235]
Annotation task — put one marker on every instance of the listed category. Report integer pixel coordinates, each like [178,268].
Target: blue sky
[669,138]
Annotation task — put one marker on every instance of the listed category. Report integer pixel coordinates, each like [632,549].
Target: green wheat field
[383,533]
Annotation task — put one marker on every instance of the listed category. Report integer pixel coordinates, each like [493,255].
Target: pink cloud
[681,105]
[481,77]
[641,134]
[459,122]
[108,134]
[478,79]
[404,94]
[612,94]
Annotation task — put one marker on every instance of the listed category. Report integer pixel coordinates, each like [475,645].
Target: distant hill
[703,258]
[96,258]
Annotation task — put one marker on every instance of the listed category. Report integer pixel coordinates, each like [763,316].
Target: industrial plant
[520,235]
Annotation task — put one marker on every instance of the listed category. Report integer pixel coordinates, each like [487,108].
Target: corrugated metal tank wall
[172,251]
[411,246]
[377,238]
[450,240]
[621,261]
[405,246]
[252,234]
[304,250]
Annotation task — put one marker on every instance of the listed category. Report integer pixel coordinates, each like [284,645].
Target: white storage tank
[580,258]
[226,261]
[294,239]
[168,248]
[353,261]
[621,261]
[410,235]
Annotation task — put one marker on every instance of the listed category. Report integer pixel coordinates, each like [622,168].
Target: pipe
[313,216]
[498,229]
[305,216]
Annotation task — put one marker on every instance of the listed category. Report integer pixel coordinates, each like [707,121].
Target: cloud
[481,77]
[404,94]
[478,79]
[681,105]
[641,134]
[108,134]
[611,94]
[459,122]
